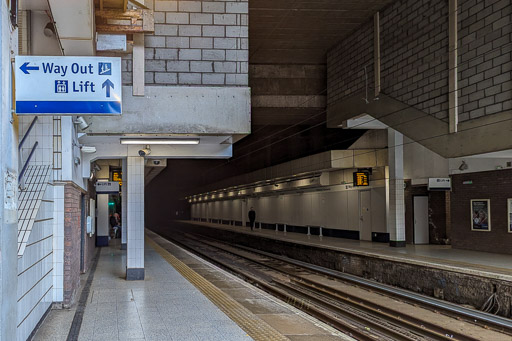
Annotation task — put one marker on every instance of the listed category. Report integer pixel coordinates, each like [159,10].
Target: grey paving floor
[165,306]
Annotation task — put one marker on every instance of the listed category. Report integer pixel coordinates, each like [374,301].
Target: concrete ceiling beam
[482,135]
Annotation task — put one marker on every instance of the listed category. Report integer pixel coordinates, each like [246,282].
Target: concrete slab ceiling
[301,31]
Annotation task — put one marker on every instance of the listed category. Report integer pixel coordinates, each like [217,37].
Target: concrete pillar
[135,218]
[395,193]
[124,205]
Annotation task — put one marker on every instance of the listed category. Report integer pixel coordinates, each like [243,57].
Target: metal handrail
[28,160]
[28,132]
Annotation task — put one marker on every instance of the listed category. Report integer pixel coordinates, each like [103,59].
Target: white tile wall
[29,201]
[42,132]
[58,244]
[135,212]
[396,217]
[124,202]
[35,269]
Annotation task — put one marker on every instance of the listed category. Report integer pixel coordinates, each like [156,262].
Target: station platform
[458,276]
[492,265]
[181,298]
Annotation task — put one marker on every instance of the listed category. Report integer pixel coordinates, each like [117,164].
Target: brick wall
[414,54]
[414,57]
[346,62]
[196,43]
[493,185]
[484,57]
[72,229]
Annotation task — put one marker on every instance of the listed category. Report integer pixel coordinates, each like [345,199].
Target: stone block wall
[346,62]
[414,57]
[196,43]
[485,30]
[414,54]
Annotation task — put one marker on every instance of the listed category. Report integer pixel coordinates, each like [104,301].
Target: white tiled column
[58,243]
[135,218]
[124,204]
[396,203]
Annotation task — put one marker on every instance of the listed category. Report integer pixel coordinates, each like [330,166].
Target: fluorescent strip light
[159,141]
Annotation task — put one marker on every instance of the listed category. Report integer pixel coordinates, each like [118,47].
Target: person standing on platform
[252,217]
[117,228]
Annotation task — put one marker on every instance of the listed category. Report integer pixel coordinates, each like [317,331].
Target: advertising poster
[480,215]
[509,211]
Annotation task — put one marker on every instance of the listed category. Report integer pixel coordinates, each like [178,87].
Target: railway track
[313,290]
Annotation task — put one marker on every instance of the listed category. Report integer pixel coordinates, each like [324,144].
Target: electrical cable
[408,106]
[386,115]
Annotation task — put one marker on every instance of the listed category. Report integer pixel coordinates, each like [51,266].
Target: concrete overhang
[179,110]
[482,135]
[110,147]
[74,20]
[307,167]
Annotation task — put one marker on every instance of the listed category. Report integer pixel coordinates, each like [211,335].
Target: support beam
[376,53]
[453,112]
[135,219]
[138,64]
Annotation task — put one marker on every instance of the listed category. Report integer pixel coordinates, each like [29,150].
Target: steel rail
[345,326]
[419,326]
[471,314]
[390,323]
[435,303]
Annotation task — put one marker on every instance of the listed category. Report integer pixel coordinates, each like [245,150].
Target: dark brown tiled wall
[438,217]
[493,185]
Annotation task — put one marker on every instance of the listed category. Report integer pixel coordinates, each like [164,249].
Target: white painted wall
[475,164]
[103,223]
[421,163]
[8,182]
[335,209]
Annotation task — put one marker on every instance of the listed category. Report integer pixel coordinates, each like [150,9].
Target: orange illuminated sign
[118,176]
[361,179]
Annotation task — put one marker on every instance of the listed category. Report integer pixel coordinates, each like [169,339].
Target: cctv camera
[82,123]
[144,152]
[156,162]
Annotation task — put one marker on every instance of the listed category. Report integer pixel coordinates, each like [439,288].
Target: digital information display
[361,179]
[118,176]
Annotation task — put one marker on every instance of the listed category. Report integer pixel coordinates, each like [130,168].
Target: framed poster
[509,211]
[480,214]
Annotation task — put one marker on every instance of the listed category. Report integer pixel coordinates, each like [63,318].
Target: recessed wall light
[159,141]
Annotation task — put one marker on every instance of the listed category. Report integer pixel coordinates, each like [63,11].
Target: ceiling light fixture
[159,141]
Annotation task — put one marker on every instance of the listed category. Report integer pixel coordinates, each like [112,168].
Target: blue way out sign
[68,85]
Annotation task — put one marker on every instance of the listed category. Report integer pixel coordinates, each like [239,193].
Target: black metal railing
[28,132]
[26,162]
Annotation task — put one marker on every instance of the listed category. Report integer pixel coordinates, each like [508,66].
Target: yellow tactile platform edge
[251,324]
